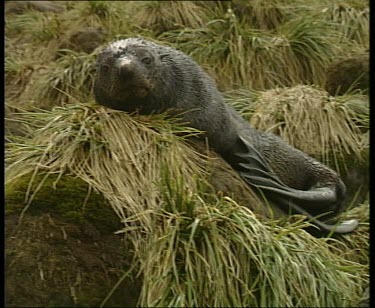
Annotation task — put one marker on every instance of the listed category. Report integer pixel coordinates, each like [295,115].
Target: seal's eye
[146,60]
[105,68]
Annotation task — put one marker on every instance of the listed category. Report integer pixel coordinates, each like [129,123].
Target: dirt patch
[64,252]
[50,262]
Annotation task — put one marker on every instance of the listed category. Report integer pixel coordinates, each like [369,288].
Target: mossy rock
[64,254]
[65,200]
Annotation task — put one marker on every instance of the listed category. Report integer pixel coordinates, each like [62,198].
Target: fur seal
[138,75]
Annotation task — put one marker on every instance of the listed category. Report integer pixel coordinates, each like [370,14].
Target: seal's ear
[163,56]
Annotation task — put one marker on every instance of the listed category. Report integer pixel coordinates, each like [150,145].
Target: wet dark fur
[138,75]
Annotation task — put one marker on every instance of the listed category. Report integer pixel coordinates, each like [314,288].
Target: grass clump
[360,106]
[309,50]
[266,15]
[94,143]
[224,46]
[161,16]
[34,26]
[113,16]
[220,254]
[304,113]
[18,72]
[71,74]
[356,246]
[243,100]
[351,21]
[99,8]
[264,44]
[295,52]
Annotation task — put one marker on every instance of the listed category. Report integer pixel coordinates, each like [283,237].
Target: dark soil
[56,257]
[52,263]
[348,74]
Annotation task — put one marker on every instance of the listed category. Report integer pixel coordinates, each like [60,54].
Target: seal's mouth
[129,92]
[130,88]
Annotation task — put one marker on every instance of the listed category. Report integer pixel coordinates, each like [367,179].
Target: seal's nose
[126,69]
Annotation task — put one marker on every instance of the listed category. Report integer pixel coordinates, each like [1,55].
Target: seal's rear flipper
[344,227]
[255,171]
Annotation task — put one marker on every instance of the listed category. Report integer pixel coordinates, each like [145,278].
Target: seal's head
[127,74]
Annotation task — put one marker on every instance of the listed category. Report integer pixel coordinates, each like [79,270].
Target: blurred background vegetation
[244,44]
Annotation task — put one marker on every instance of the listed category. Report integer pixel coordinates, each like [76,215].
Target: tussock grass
[352,22]
[356,246]
[116,17]
[95,143]
[223,256]
[93,13]
[34,25]
[161,16]
[15,126]
[360,109]
[113,16]
[243,100]
[13,67]
[17,74]
[264,44]
[191,249]
[71,74]
[228,49]
[309,50]
[99,8]
[296,52]
[312,121]
[264,15]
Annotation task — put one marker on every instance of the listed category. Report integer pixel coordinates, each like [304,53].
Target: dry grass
[264,15]
[72,74]
[296,52]
[160,16]
[221,255]
[352,22]
[356,246]
[18,73]
[264,44]
[34,26]
[192,249]
[95,143]
[312,121]
[243,100]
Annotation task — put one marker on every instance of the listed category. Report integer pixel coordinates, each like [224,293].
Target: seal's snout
[125,68]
